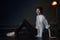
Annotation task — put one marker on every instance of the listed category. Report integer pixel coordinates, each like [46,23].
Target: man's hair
[41,9]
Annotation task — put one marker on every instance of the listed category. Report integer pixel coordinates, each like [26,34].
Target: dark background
[13,12]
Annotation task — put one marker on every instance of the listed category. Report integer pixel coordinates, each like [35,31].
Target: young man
[41,22]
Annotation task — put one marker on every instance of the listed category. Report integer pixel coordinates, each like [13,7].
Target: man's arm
[46,23]
[37,22]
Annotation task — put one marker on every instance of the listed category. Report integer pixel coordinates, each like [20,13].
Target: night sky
[13,12]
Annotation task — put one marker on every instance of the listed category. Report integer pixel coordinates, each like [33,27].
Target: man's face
[37,11]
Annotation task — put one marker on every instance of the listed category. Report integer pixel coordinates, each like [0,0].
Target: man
[41,22]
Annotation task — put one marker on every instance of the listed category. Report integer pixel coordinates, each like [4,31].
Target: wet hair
[41,9]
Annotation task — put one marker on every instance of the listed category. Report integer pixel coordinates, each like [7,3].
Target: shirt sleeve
[45,23]
[37,22]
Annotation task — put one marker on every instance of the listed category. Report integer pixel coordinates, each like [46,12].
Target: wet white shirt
[41,21]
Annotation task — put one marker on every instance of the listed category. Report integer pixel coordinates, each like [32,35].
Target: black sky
[15,11]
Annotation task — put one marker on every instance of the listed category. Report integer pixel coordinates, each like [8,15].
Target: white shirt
[41,21]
